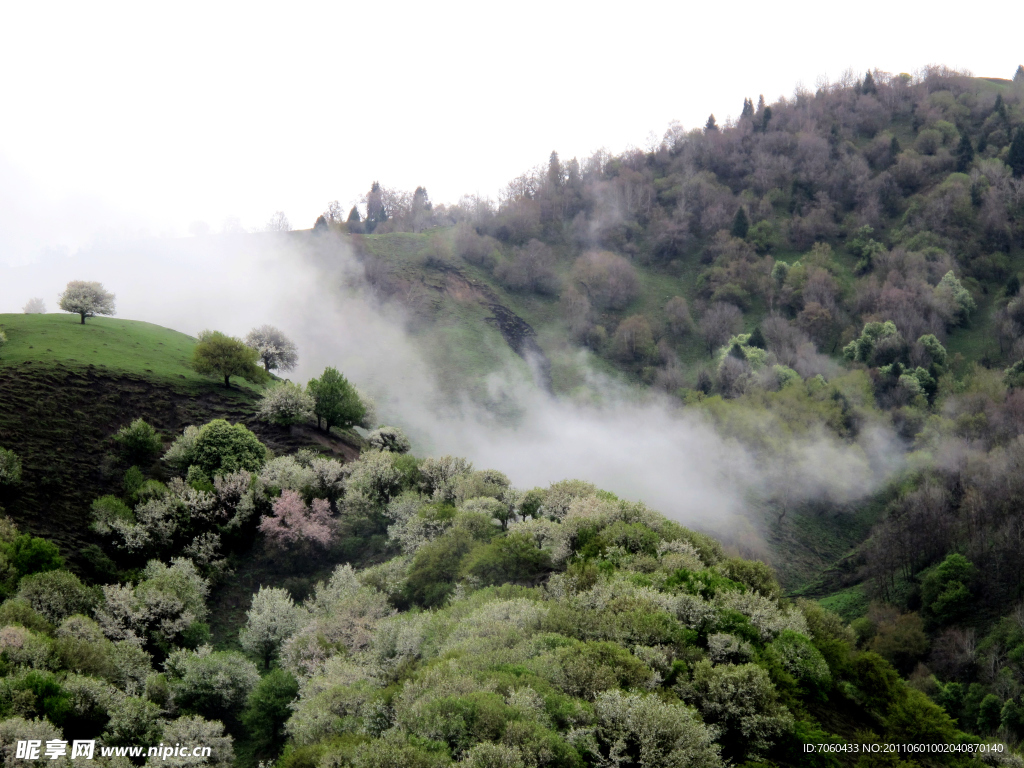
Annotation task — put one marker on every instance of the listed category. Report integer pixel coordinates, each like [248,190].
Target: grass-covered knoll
[112,346]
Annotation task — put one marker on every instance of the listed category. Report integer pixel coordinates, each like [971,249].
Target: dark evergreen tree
[760,105]
[321,224]
[1000,108]
[1018,76]
[554,170]
[353,216]
[710,125]
[964,154]
[740,224]
[868,86]
[894,147]
[757,339]
[1016,157]
[375,213]
[748,109]
[1012,286]
[765,117]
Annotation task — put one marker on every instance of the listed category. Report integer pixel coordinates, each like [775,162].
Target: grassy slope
[107,344]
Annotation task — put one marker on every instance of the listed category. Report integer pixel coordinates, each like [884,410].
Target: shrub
[56,595]
[10,467]
[513,558]
[652,733]
[741,700]
[389,439]
[286,404]
[29,554]
[222,448]
[214,684]
[138,443]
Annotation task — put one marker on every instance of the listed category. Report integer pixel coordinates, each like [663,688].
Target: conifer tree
[868,86]
[748,109]
[757,339]
[1018,76]
[765,117]
[353,216]
[1016,157]
[710,125]
[740,224]
[964,154]
[760,104]
[894,147]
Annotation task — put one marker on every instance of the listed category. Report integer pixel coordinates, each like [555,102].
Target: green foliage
[510,559]
[214,684]
[10,467]
[57,594]
[336,403]
[138,443]
[1015,158]
[740,223]
[267,710]
[216,354]
[946,590]
[436,567]
[222,448]
[861,349]
[29,554]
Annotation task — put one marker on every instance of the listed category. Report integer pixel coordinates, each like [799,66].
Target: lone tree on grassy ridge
[87,299]
[336,403]
[220,355]
[276,351]
[34,307]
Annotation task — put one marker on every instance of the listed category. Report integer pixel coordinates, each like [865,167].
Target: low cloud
[638,445]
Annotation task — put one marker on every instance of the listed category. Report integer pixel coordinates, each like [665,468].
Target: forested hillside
[184,561]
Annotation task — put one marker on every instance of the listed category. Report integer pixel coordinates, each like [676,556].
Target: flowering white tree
[87,299]
[272,618]
[277,351]
[286,404]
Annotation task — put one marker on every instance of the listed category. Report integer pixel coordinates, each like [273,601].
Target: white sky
[146,117]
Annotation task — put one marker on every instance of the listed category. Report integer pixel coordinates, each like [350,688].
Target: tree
[868,86]
[223,448]
[273,617]
[278,223]
[680,322]
[214,684]
[220,355]
[719,323]
[335,402]
[138,443]
[277,351]
[268,708]
[10,467]
[1018,76]
[740,223]
[86,299]
[964,154]
[748,109]
[34,307]
[1016,157]
[710,125]
[353,216]
[286,404]
[294,522]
